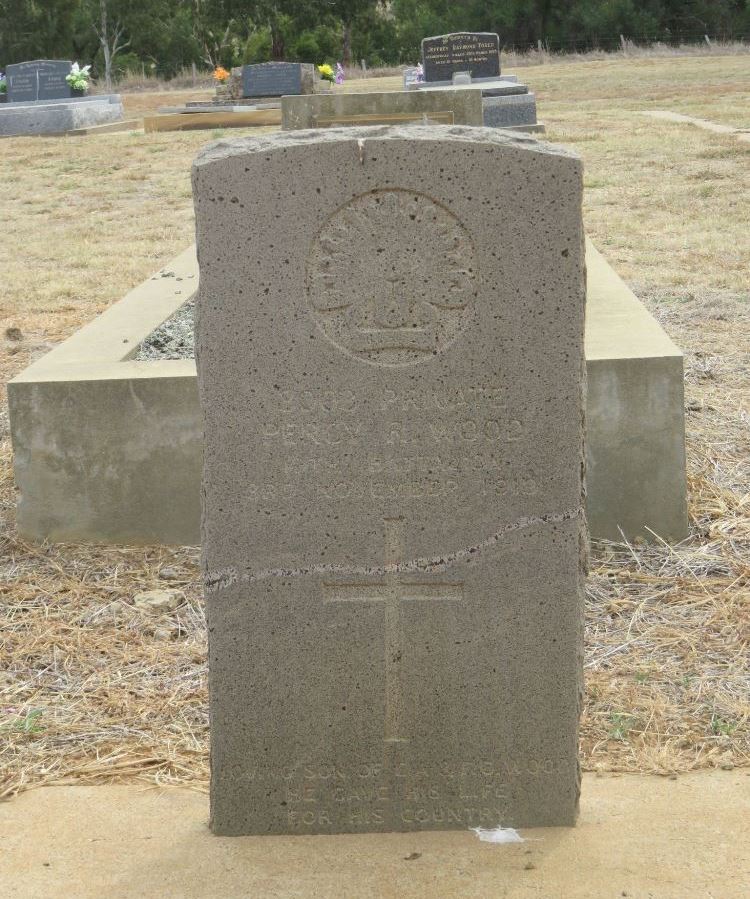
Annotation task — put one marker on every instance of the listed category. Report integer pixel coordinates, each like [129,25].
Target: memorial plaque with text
[393,535]
[272,79]
[42,79]
[477,53]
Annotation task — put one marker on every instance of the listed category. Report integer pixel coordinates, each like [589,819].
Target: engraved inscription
[324,447]
[362,286]
[448,794]
[465,51]
[392,591]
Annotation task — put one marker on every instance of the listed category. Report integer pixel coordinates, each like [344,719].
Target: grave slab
[198,107]
[405,551]
[503,78]
[86,98]
[505,104]
[58,117]
[304,112]
[246,117]
[638,835]
[493,88]
[509,111]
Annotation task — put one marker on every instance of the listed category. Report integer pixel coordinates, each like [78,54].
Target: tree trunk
[545,12]
[105,47]
[277,43]
[347,44]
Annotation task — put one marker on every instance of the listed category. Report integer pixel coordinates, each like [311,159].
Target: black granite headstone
[52,83]
[465,51]
[41,79]
[272,79]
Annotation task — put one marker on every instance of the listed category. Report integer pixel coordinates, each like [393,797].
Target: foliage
[78,77]
[31,29]
[257,47]
[165,36]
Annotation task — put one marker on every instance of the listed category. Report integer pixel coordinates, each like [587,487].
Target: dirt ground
[637,837]
[93,689]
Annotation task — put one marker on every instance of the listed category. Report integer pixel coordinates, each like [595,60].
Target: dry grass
[92,689]
[668,628]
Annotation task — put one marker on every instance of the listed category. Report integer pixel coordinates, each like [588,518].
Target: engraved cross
[392,592]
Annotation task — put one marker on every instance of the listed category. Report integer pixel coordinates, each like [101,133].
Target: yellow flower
[221,74]
[325,70]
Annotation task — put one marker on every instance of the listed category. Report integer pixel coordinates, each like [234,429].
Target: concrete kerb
[715,127]
[108,449]
[302,112]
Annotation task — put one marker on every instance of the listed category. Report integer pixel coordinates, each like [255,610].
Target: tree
[169,34]
[284,19]
[214,27]
[347,12]
[111,34]
[158,33]
[30,29]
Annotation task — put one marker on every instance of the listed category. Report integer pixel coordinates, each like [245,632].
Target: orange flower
[221,74]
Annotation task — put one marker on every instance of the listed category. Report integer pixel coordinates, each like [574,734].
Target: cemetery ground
[95,688]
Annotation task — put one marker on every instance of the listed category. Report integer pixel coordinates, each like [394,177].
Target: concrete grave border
[56,117]
[108,449]
[300,112]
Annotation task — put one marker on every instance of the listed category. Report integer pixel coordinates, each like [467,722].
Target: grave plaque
[393,536]
[42,79]
[275,79]
[477,53]
[52,83]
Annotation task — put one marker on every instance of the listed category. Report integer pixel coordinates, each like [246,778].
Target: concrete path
[665,115]
[639,837]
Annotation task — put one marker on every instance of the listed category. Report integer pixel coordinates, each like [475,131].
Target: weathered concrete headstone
[42,79]
[277,79]
[475,52]
[393,543]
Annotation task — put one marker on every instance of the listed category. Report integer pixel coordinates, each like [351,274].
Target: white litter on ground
[498,835]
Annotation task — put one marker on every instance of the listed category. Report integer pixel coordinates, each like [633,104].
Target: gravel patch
[174,339]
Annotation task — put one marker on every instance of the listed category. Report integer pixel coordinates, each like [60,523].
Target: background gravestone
[393,543]
[277,79]
[42,79]
[466,51]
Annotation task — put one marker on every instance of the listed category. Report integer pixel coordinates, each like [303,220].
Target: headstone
[277,79]
[461,78]
[393,541]
[42,79]
[465,51]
